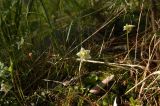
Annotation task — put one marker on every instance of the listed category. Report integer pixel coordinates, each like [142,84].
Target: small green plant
[128,28]
[5,76]
[134,102]
[83,55]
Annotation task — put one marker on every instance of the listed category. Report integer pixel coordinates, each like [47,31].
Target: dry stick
[112,64]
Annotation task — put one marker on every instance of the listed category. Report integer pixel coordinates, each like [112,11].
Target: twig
[114,64]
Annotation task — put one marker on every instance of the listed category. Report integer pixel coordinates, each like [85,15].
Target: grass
[40,40]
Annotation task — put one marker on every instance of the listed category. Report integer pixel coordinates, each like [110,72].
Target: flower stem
[128,44]
[80,66]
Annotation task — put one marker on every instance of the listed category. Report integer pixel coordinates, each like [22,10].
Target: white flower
[84,54]
[128,28]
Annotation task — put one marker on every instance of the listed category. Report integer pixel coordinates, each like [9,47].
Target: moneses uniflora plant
[128,28]
[84,54]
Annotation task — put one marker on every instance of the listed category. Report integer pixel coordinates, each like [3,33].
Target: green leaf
[10,69]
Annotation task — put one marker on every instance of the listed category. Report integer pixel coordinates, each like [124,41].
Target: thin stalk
[79,70]
[139,21]
[128,44]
